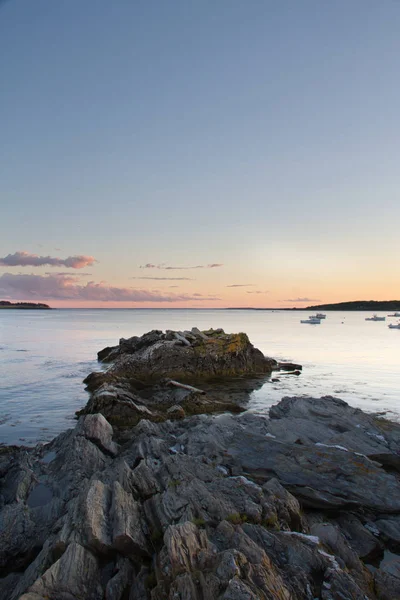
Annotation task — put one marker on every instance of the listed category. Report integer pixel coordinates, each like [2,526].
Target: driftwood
[185,387]
[182,339]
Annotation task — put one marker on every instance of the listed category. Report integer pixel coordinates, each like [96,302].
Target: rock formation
[302,505]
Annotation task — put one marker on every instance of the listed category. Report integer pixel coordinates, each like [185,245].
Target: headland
[168,488]
[4,304]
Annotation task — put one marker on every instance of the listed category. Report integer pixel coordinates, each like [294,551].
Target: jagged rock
[127,532]
[188,548]
[238,590]
[366,545]
[95,513]
[389,528]
[23,531]
[204,507]
[75,575]
[287,506]
[387,580]
[117,585]
[99,431]
[140,589]
[17,476]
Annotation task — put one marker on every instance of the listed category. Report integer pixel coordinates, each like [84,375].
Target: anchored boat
[312,321]
[375,318]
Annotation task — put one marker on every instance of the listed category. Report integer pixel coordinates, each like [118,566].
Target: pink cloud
[63,274]
[67,287]
[258,292]
[165,267]
[25,259]
[241,285]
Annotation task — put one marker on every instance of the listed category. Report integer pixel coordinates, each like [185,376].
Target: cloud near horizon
[165,267]
[25,259]
[241,285]
[258,292]
[64,274]
[67,287]
[165,278]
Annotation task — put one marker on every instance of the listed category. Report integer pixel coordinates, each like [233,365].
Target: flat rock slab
[332,421]
[320,477]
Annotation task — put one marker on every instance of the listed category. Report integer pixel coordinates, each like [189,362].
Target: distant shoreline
[4,304]
[361,305]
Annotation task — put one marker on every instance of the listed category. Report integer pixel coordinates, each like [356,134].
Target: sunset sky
[199,153]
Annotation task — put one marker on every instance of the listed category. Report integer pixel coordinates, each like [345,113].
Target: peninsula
[24,305]
[168,488]
[370,305]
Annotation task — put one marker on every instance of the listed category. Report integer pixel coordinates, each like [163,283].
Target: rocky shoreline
[168,489]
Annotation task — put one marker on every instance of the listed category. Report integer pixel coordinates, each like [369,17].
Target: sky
[199,153]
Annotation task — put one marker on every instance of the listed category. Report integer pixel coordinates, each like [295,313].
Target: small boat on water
[320,316]
[396,314]
[312,321]
[375,318]
[392,326]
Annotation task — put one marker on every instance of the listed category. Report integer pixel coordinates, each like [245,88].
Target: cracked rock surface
[297,506]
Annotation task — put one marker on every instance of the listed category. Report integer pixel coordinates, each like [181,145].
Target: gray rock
[332,422]
[215,354]
[307,473]
[366,545]
[188,548]
[75,575]
[99,431]
[127,529]
[95,517]
[389,528]
[118,585]
[202,507]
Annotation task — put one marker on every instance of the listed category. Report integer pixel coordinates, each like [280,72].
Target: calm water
[44,356]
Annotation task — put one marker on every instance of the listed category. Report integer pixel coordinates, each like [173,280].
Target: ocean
[45,355]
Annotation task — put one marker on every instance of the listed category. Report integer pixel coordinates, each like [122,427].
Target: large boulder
[192,355]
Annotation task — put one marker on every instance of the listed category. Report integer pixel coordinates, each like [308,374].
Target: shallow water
[44,356]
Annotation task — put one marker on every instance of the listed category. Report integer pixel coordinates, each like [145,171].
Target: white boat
[396,314]
[320,316]
[375,318]
[312,321]
[391,326]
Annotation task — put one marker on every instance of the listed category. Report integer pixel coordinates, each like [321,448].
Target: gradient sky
[260,135]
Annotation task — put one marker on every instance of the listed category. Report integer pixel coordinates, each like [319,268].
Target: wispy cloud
[68,287]
[258,292]
[165,278]
[301,300]
[25,259]
[241,285]
[165,267]
[66,274]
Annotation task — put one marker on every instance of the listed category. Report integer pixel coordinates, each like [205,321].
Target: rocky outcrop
[206,507]
[186,354]
[141,381]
